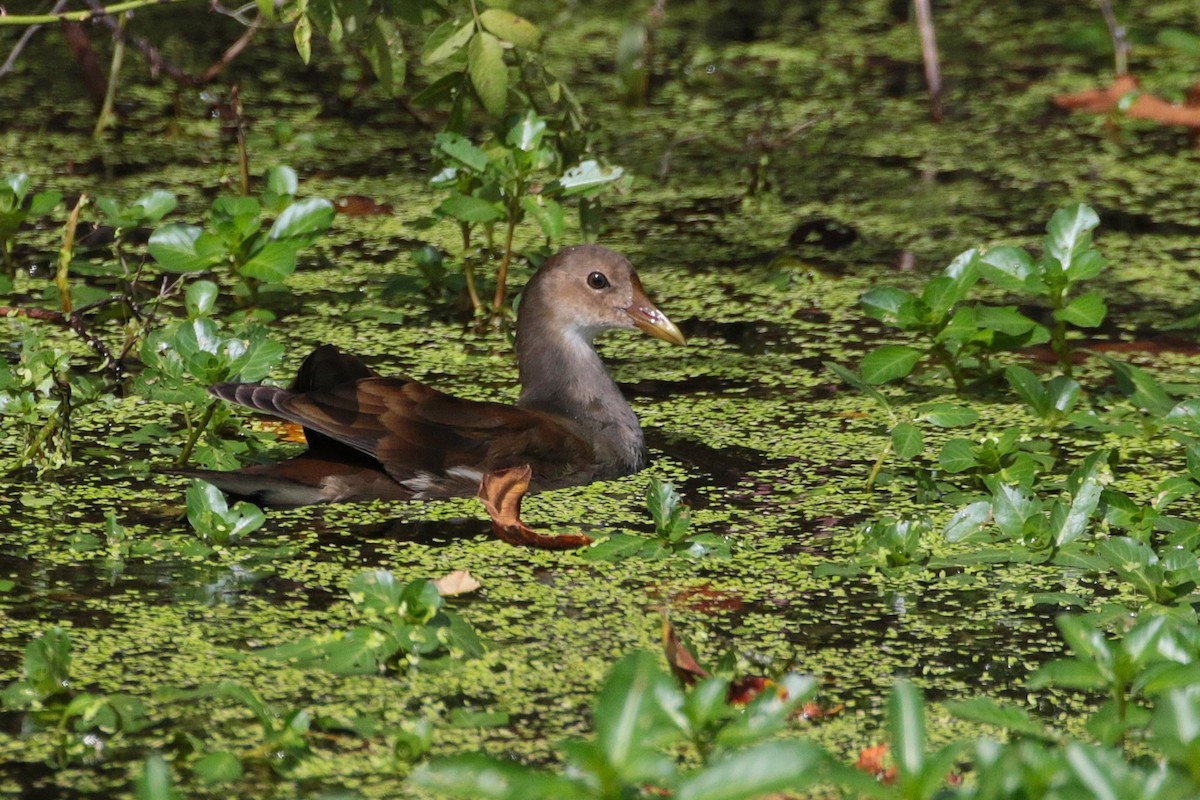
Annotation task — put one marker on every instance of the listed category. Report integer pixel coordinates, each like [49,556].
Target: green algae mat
[781,167]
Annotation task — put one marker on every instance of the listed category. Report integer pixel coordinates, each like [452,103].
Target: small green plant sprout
[1069,258]
[1156,654]
[518,173]
[960,338]
[214,521]
[82,719]
[234,239]
[672,523]
[1168,576]
[905,438]
[16,206]
[891,542]
[1145,520]
[1039,525]
[38,394]
[283,742]
[638,714]
[1011,456]
[183,359]
[404,626]
[1051,401]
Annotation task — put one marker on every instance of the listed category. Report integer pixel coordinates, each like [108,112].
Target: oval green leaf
[889,362]
[489,75]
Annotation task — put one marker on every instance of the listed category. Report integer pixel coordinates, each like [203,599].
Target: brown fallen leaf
[1141,105]
[871,761]
[357,205]
[501,492]
[744,689]
[460,581]
[683,664]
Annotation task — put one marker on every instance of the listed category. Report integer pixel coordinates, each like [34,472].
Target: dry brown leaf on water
[460,581]
[501,492]
[1141,106]
[871,761]
[357,205]
[683,664]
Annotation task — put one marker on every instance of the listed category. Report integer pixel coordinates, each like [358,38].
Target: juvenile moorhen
[371,437]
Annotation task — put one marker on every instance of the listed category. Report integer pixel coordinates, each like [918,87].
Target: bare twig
[929,53]
[1116,32]
[158,64]
[7,66]
[231,52]
[76,322]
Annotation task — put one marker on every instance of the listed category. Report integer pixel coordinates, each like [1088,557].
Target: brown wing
[420,435]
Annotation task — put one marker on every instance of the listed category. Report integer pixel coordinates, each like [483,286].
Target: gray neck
[562,374]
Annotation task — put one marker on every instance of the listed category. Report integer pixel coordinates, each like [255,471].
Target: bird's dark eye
[597,280]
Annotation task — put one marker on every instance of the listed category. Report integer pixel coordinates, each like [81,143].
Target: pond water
[818,107]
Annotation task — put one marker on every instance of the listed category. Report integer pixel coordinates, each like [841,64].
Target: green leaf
[1095,770]
[940,294]
[1005,319]
[889,362]
[302,36]
[510,27]
[44,202]
[526,135]
[1029,388]
[177,248]
[948,415]
[1141,387]
[890,305]
[219,767]
[466,208]
[446,40]
[1011,506]
[155,204]
[474,775]
[1069,233]
[907,440]
[585,178]
[967,521]
[273,263]
[1182,41]
[906,724]
[489,75]
[303,222]
[1068,674]
[155,781]
[762,770]
[385,51]
[958,455]
[1010,268]
[549,215]
[201,298]
[631,719]
[461,150]
[1086,311]
[858,383]
[1063,393]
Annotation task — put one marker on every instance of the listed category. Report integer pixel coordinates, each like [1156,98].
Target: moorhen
[371,437]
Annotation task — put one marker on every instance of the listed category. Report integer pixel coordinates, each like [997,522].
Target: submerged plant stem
[105,118]
[502,272]
[194,436]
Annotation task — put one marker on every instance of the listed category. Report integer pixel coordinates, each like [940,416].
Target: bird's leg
[501,492]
